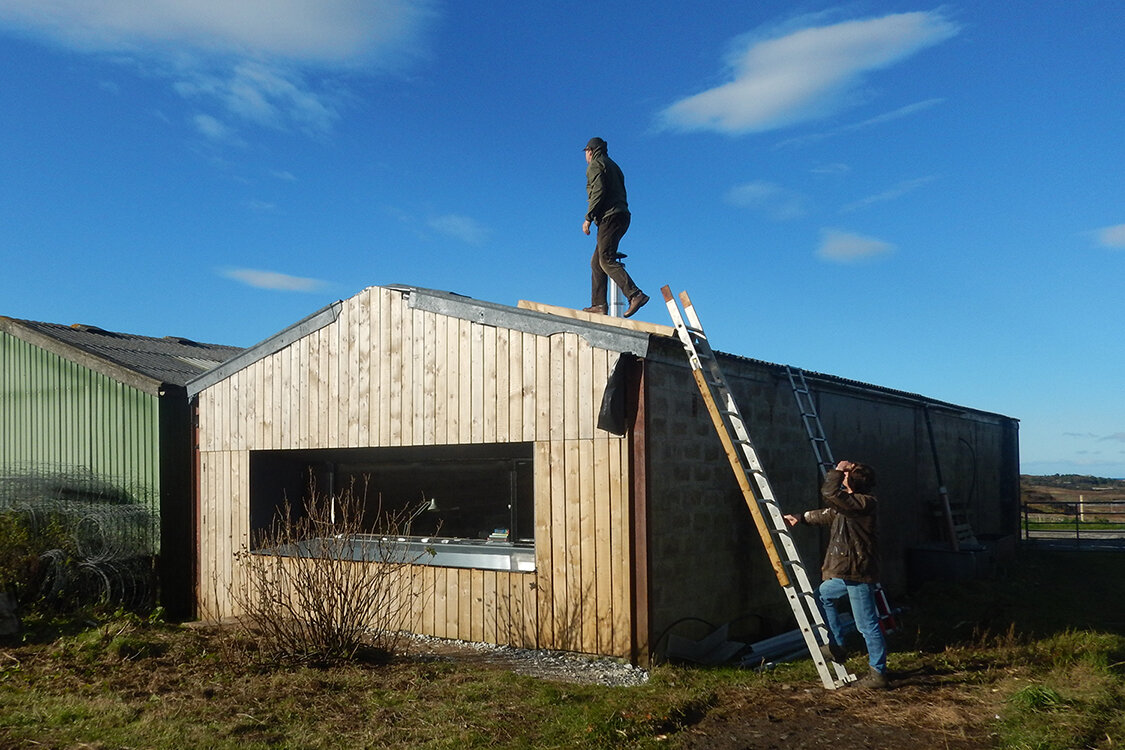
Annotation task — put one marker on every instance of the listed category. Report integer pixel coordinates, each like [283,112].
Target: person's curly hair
[861,478]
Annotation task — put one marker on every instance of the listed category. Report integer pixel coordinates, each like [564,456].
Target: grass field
[1032,659]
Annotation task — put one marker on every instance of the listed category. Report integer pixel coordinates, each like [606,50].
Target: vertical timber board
[528,392]
[441,595]
[360,432]
[387,396]
[204,552]
[325,368]
[221,519]
[453,601]
[472,596]
[415,433]
[513,394]
[296,406]
[490,370]
[490,630]
[429,608]
[452,384]
[350,373]
[308,393]
[266,393]
[542,374]
[501,621]
[507,610]
[247,413]
[501,357]
[283,371]
[393,434]
[219,430]
[587,535]
[557,584]
[419,601]
[573,396]
[532,615]
[602,550]
[405,336]
[441,380]
[307,407]
[239,472]
[375,354]
[544,551]
[556,377]
[429,380]
[575,593]
[477,382]
[340,368]
[465,383]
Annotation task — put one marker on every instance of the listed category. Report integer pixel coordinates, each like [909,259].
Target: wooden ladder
[756,490]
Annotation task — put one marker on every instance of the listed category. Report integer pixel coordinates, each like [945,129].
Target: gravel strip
[560,666]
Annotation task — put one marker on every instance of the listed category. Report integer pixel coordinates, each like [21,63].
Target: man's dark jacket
[852,540]
[605,187]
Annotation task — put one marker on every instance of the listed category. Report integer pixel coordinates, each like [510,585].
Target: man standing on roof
[851,564]
[605,187]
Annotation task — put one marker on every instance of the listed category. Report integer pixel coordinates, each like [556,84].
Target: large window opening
[470,506]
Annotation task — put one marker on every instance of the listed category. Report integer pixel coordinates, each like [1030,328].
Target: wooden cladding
[383,374]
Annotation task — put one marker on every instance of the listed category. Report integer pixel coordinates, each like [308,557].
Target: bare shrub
[320,587]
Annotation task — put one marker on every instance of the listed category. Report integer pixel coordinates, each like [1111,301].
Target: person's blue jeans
[862,597]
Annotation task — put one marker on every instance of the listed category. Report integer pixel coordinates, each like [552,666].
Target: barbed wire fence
[109,534]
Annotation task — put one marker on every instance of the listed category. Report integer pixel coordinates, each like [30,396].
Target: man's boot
[636,302]
[875,680]
[597,309]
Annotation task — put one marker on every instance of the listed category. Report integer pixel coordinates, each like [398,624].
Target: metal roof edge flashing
[528,321]
[261,350]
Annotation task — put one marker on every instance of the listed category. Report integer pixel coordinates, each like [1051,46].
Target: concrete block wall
[706,559]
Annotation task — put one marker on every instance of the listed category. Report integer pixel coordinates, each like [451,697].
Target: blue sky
[925,197]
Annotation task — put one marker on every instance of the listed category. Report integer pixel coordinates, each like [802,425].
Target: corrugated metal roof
[172,360]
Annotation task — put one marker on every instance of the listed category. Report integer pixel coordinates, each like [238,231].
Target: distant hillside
[1070,488]
[1074,482]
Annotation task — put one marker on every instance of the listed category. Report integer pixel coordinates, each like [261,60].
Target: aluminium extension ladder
[756,490]
[823,452]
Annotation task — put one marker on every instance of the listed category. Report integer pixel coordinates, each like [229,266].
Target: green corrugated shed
[55,412]
[96,423]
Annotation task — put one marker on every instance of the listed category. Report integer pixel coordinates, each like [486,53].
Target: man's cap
[594,144]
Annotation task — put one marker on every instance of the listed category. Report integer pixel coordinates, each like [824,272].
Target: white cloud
[273,280]
[251,57]
[262,94]
[805,74]
[779,203]
[897,191]
[845,247]
[829,170]
[458,227]
[315,31]
[1113,237]
[212,128]
[901,112]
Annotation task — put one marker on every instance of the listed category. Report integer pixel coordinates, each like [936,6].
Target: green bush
[22,551]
